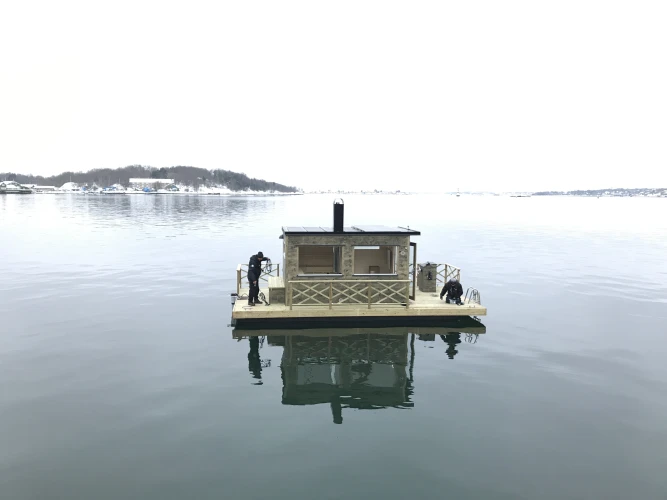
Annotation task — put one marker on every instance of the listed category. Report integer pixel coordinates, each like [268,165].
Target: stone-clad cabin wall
[347,242]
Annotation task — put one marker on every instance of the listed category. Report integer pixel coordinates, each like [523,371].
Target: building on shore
[139,183]
[41,189]
[70,187]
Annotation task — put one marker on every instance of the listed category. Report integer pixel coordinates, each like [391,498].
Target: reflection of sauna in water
[365,371]
[361,368]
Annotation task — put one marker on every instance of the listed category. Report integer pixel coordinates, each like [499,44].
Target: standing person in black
[454,291]
[254,272]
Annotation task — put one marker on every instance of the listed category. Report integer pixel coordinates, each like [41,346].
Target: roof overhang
[351,231]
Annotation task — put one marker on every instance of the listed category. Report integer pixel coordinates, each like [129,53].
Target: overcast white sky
[512,95]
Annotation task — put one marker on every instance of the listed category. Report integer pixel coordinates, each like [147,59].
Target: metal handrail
[473,295]
[242,274]
[352,292]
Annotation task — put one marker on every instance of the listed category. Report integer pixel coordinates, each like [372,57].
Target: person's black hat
[260,255]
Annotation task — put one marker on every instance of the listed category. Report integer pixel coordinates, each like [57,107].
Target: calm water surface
[121,378]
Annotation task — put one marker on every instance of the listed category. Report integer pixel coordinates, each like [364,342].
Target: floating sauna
[350,273]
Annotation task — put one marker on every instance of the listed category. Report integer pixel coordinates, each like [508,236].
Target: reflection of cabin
[351,271]
[356,371]
[361,368]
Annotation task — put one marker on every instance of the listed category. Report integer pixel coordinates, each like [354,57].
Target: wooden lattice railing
[445,272]
[336,293]
[242,275]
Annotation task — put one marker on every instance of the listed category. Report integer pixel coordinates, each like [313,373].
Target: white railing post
[238,280]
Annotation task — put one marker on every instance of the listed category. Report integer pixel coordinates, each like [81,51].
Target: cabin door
[413,269]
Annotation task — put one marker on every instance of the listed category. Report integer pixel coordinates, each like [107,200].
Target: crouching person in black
[254,272]
[454,291]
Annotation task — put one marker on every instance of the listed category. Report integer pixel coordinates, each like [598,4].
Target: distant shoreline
[177,193]
[608,192]
[138,176]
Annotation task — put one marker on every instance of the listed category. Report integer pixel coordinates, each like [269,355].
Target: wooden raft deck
[425,305]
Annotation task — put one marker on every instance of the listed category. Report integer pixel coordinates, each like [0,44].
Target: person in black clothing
[254,272]
[254,361]
[336,409]
[454,291]
[451,339]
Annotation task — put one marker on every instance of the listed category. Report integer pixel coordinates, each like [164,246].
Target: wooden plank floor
[425,305]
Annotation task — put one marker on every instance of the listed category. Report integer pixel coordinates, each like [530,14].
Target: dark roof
[351,230]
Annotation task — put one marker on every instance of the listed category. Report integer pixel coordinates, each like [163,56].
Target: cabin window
[375,259]
[319,259]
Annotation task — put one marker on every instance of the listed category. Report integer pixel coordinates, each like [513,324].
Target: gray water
[121,379]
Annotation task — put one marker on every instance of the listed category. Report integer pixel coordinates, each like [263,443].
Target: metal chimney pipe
[338,210]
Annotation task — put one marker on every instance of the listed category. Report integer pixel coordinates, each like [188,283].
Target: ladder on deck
[473,296]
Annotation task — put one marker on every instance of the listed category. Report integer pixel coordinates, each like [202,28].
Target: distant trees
[189,176]
[160,174]
[238,182]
